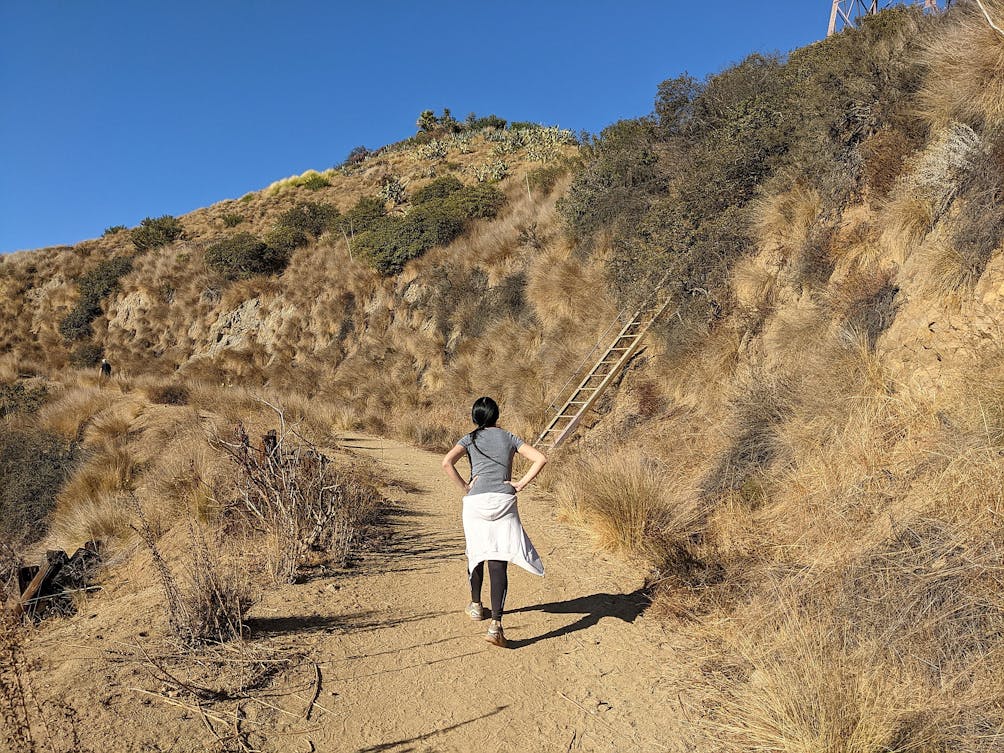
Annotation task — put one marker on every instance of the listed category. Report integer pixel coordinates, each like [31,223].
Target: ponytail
[484,413]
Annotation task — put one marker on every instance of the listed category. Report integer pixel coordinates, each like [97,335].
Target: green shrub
[476,202]
[392,241]
[474,123]
[76,325]
[153,233]
[427,120]
[367,213]
[544,178]
[398,239]
[232,219]
[112,230]
[673,189]
[440,188]
[392,190]
[244,255]
[34,465]
[86,355]
[93,286]
[104,278]
[17,398]
[286,239]
[309,217]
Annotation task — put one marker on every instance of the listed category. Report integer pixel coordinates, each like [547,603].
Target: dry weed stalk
[15,690]
[211,607]
[295,499]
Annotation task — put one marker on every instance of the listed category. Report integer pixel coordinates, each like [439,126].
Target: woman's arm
[449,467]
[535,456]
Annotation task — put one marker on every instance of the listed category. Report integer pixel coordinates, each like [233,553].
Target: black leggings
[500,584]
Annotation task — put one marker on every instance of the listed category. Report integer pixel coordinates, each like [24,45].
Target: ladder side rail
[596,394]
[592,372]
[606,382]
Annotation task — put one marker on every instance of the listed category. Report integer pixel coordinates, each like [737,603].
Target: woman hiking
[492,526]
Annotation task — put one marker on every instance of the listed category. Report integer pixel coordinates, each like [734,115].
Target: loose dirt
[402,668]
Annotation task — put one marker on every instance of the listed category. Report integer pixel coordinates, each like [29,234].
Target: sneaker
[495,636]
[475,611]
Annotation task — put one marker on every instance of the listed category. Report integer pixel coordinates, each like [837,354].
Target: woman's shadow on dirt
[593,608]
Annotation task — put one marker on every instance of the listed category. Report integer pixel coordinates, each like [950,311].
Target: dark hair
[484,412]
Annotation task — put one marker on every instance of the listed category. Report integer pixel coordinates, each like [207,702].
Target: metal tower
[847,13]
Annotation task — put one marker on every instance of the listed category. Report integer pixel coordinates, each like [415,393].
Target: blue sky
[114,111]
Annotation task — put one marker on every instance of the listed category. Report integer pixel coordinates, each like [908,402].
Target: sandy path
[412,673]
[404,670]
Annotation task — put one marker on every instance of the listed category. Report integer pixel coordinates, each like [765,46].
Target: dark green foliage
[621,172]
[76,325]
[114,229]
[427,120]
[440,188]
[674,189]
[429,123]
[232,219]
[34,465]
[366,214]
[86,355]
[153,233]
[390,242]
[474,123]
[544,178]
[313,218]
[17,398]
[244,255]
[286,239]
[398,239]
[481,201]
[93,287]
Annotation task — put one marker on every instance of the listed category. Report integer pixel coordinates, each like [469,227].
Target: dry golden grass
[965,69]
[783,222]
[622,501]
[70,413]
[104,516]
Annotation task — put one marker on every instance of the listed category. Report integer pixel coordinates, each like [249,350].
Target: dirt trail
[584,672]
[403,668]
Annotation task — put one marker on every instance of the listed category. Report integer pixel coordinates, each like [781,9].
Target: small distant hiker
[492,526]
[106,369]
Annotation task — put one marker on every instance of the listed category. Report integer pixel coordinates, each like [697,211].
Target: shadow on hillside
[398,745]
[593,608]
[357,622]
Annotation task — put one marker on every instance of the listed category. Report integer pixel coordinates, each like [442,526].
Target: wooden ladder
[605,370]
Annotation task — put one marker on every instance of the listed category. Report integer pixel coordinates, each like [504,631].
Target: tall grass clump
[627,504]
[964,61]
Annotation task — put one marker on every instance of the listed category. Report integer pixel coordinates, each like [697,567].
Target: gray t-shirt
[491,459]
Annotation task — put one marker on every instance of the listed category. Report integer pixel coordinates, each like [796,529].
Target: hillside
[803,465]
